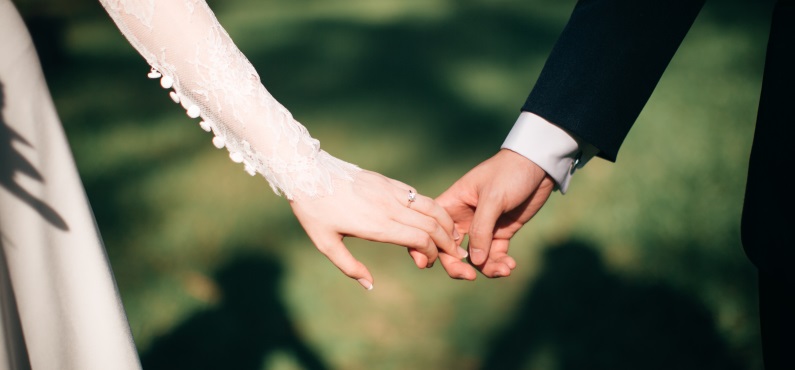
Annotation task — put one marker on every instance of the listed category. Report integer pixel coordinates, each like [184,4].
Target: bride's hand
[377,208]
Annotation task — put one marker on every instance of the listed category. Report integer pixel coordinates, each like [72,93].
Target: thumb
[339,255]
[481,232]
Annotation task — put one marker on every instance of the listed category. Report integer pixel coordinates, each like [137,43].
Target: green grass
[422,91]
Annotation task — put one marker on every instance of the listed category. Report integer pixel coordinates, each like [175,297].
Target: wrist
[516,162]
[550,147]
[321,176]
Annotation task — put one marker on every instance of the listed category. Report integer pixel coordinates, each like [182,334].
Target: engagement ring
[412,197]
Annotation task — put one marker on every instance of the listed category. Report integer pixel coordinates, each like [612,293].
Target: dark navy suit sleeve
[606,64]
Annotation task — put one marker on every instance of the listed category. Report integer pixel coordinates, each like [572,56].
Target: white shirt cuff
[550,147]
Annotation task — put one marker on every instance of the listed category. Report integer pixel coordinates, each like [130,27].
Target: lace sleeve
[193,55]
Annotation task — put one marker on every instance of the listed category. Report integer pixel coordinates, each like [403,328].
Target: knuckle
[347,270]
[480,234]
[325,249]
[422,241]
[348,267]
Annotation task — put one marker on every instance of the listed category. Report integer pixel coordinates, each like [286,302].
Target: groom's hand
[491,202]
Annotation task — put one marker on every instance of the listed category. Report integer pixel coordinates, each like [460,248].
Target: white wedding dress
[59,305]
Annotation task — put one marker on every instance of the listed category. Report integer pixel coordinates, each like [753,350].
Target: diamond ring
[412,197]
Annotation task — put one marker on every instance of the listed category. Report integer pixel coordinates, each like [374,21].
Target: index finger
[481,232]
[340,256]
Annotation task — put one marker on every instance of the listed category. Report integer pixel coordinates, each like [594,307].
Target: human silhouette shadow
[250,322]
[12,162]
[577,315]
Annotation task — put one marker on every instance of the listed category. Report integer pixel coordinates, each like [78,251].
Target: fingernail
[430,264]
[462,252]
[365,283]
[456,235]
[475,253]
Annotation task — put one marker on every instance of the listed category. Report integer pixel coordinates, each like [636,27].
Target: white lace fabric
[192,54]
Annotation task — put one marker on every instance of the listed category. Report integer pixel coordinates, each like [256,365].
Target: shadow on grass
[577,315]
[250,323]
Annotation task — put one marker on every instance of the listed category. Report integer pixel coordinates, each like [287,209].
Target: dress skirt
[59,304]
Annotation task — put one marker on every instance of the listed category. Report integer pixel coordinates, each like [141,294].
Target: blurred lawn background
[639,266]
